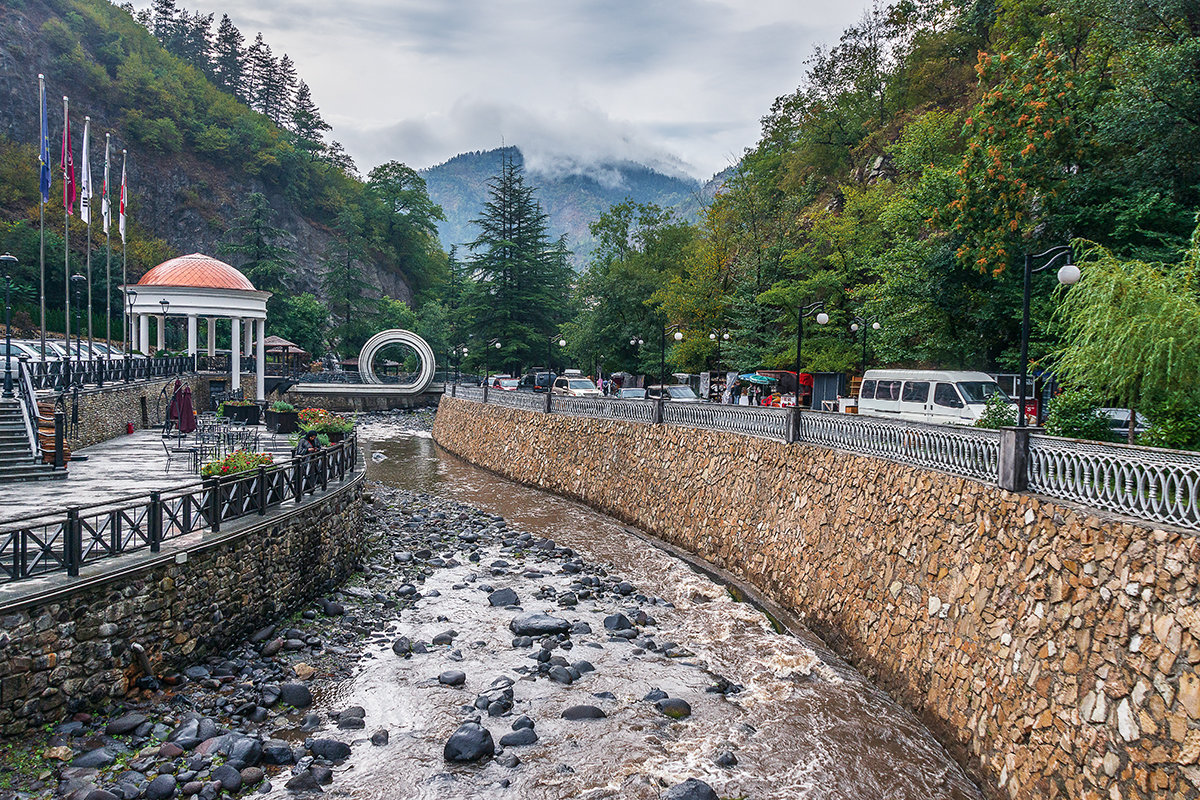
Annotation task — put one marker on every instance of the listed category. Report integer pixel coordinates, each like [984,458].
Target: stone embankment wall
[68,645]
[1054,651]
[104,412]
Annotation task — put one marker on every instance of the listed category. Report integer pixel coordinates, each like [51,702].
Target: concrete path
[123,467]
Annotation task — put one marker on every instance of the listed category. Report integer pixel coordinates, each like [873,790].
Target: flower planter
[282,421]
[246,414]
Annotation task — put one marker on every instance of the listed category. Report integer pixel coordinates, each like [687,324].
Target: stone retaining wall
[103,412]
[1053,650]
[67,644]
[357,398]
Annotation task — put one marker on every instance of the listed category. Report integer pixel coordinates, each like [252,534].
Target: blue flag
[44,156]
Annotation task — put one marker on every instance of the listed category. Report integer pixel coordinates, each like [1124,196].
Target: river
[804,725]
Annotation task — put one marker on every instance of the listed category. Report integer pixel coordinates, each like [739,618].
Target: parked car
[505,383]
[1118,420]
[632,393]
[537,380]
[676,393]
[922,395]
[576,387]
[22,348]
[492,380]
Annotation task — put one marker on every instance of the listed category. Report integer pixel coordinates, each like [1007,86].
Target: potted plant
[237,461]
[282,417]
[319,420]
[246,411]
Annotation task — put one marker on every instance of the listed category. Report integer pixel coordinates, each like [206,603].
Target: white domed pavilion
[195,286]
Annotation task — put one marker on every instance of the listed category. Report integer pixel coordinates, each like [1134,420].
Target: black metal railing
[221,361]
[64,374]
[39,544]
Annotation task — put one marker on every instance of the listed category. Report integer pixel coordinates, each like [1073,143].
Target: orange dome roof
[197,270]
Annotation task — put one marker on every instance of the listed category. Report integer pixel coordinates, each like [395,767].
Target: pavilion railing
[40,544]
[65,374]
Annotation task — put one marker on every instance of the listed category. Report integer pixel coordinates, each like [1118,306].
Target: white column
[162,332]
[260,359]
[235,354]
[212,336]
[143,336]
[248,331]
[191,340]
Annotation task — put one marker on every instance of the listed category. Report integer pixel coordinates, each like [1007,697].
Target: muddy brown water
[805,725]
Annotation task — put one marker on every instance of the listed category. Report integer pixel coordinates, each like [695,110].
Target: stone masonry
[1054,650]
[70,648]
[103,412]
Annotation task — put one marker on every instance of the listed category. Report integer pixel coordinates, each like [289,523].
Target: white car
[576,387]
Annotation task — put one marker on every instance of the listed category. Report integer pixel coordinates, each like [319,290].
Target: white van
[927,395]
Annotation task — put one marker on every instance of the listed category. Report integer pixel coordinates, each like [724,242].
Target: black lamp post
[460,352]
[864,324]
[130,296]
[718,336]
[810,310]
[491,343]
[550,366]
[77,283]
[166,306]
[10,261]
[1068,274]
[662,364]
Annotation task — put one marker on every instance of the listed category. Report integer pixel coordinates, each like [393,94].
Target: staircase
[16,458]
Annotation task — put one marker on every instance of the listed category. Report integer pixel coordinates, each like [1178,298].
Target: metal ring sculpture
[398,336]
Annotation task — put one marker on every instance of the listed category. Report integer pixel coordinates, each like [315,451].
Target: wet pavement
[123,467]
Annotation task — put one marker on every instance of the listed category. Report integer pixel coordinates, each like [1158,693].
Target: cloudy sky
[679,84]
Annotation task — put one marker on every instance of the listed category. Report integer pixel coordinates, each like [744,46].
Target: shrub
[233,404]
[1075,414]
[1175,424]
[281,406]
[321,421]
[237,461]
[998,413]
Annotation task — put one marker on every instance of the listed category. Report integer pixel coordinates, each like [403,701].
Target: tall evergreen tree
[286,80]
[267,263]
[307,123]
[229,58]
[166,24]
[260,72]
[522,279]
[344,283]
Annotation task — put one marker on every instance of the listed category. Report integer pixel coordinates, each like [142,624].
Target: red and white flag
[68,163]
[121,217]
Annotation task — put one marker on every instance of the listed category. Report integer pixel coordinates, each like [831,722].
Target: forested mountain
[209,121]
[572,198]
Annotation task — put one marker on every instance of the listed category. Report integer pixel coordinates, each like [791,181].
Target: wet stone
[522,736]
[674,707]
[691,789]
[330,749]
[583,712]
[296,695]
[379,738]
[160,788]
[503,597]
[538,624]
[471,742]
[452,677]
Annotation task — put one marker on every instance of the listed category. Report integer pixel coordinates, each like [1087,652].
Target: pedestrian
[308,445]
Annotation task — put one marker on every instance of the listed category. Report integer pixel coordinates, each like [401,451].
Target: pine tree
[165,24]
[195,40]
[229,58]
[286,80]
[267,263]
[344,284]
[521,277]
[307,123]
[259,72]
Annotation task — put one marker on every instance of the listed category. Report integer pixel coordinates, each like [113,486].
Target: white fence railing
[1159,485]
[972,452]
[768,423]
[1147,483]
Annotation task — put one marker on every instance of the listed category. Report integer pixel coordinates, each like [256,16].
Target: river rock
[277,752]
[617,622]
[452,677]
[379,738]
[470,742]
[674,707]
[304,782]
[229,778]
[503,597]
[330,749]
[522,722]
[583,712]
[445,637]
[252,776]
[519,737]
[125,724]
[100,794]
[296,695]
[726,759]
[98,758]
[691,789]
[538,624]
[160,788]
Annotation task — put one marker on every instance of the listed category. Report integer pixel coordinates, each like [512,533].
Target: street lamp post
[77,282]
[550,367]
[460,352]
[166,306]
[130,296]
[822,319]
[864,324]
[1068,274]
[10,261]
[718,336]
[492,343]
[662,366]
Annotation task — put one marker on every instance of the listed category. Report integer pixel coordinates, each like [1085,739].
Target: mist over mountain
[573,191]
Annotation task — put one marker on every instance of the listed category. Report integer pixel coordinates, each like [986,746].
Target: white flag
[85,186]
[121,209]
[105,211]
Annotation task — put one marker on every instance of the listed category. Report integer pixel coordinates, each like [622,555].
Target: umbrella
[754,377]
[187,414]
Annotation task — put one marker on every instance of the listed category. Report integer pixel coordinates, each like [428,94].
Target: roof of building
[198,271]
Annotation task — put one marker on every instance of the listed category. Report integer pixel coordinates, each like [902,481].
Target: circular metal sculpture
[397,336]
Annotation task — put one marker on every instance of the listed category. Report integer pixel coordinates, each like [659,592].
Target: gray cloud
[677,84]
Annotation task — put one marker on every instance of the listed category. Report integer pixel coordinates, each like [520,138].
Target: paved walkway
[122,467]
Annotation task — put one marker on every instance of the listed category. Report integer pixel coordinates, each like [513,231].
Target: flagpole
[66,237]
[127,321]
[106,210]
[87,198]
[42,210]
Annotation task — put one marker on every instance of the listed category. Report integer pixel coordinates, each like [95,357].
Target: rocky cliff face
[182,198]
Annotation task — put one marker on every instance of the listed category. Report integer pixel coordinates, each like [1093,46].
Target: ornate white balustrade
[767,423]
[1145,482]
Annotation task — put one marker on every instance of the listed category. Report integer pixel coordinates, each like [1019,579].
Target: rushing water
[805,725]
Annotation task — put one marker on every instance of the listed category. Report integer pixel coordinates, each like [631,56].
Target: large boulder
[470,742]
[691,789]
[537,624]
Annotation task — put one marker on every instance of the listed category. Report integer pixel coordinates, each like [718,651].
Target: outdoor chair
[188,454]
